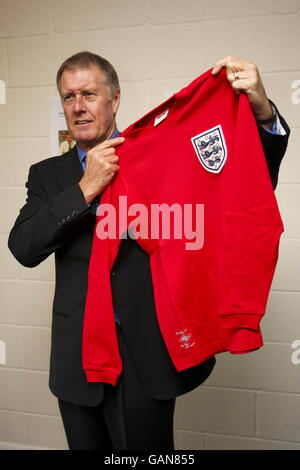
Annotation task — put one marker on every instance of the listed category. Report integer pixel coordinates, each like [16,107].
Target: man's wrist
[89,195]
[266,113]
[267,117]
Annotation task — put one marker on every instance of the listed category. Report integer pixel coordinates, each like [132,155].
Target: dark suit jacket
[56,219]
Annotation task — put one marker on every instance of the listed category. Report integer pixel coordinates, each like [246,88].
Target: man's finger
[236,75]
[218,66]
[230,62]
[114,168]
[114,142]
[110,143]
[112,159]
[242,85]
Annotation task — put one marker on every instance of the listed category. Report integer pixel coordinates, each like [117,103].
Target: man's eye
[68,98]
[89,95]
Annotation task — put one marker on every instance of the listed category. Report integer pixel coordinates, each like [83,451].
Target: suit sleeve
[274,147]
[252,230]
[43,226]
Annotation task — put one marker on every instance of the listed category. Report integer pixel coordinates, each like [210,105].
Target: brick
[214,410]
[36,345]
[8,266]
[27,391]
[177,11]
[74,15]
[244,443]
[134,103]
[279,416]
[283,88]
[270,368]
[25,152]
[281,321]
[6,175]
[231,37]
[43,272]
[290,166]
[28,67]
[10,202]
[237,371]
[139,97]
[24,17]
[164,11]
[288,197]
[184,440]
[26,429]
[12,337]
[277,6]
[179,46]
[26,303]
[160,90]
[287,274]
[26,113]
[3,61]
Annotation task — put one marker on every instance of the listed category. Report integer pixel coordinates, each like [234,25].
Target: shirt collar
[82,153]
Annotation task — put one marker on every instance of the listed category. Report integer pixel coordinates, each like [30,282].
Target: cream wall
[157,46]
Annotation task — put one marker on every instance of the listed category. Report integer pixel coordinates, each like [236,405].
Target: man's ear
[116,101]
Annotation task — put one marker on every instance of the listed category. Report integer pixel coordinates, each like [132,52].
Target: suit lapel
[70,169]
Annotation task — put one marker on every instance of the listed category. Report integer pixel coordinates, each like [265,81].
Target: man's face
[89,109]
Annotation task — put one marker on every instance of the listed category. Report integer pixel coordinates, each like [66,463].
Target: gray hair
[84,60]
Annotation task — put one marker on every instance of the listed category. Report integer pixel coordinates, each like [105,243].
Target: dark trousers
[126,419]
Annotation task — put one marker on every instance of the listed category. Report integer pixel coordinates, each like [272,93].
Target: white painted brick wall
[24,18]
[28,67]
[157,46]
[26,112]
[75,15]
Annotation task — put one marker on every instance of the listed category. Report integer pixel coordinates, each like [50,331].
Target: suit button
[113,273]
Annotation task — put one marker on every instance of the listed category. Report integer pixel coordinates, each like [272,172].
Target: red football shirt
[198,154]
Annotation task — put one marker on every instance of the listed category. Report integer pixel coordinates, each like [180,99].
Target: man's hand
[101,167]
[244,77]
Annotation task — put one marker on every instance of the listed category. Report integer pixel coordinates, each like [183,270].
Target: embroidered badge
[185,339]
[211,149]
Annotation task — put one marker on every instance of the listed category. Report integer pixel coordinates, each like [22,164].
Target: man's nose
[78,103]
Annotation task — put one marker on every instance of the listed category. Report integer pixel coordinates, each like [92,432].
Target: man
[59,217]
